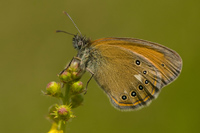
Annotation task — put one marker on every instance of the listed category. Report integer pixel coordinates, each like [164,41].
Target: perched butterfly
[130,71]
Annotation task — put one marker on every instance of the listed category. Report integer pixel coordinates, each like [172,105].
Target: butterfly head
[80,42]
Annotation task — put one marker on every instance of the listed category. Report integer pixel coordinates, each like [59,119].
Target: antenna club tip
[64,32]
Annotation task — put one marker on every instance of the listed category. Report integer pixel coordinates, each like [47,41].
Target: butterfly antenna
[65,32]
[72,21]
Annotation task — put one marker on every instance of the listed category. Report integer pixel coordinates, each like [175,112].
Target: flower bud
[63,112]
[77,87]
[65,76]
[77,100]
[53,89]
[74,67]
[75,70]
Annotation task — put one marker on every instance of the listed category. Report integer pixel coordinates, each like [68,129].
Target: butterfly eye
[80,43]
[163,64]
[140,87]
[124,97]
[137,62]
[133,93]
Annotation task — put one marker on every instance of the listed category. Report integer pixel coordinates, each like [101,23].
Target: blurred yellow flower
[54,129]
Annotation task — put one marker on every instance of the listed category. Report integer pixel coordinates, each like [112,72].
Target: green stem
[63,127]
[66,98]
[66,101]
[59,125]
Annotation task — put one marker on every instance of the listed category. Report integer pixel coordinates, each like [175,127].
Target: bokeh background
[32,54]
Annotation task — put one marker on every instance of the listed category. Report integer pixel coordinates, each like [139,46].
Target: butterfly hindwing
[129,73]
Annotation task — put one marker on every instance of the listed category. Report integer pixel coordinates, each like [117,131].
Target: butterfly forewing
[132,71]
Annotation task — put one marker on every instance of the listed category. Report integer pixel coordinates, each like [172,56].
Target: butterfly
[131,71]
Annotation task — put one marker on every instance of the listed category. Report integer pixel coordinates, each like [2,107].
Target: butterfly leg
[69,64]
[88,80]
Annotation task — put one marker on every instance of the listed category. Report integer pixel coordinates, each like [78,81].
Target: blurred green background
[32,54]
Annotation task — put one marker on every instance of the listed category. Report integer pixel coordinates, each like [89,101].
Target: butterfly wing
[132,71]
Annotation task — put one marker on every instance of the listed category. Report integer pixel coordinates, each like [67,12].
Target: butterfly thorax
[81,44]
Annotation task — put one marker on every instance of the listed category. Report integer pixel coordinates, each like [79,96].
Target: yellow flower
[54,129]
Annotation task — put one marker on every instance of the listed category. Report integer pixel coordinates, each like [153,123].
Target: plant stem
[66,101]
[66,98]
[63,126]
